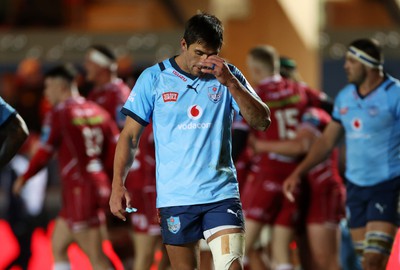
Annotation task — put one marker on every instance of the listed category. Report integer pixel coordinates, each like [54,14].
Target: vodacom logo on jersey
[194,112]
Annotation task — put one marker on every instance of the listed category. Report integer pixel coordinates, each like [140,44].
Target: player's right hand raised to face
[289,186]
[119,200]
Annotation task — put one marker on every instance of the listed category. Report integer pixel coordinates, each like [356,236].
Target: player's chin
[351,80]
[197,71]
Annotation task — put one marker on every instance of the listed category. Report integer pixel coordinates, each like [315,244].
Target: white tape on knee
[203,245]
[61,266]
[226,249]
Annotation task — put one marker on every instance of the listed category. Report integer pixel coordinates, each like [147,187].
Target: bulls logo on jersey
[373,110]
[214,93]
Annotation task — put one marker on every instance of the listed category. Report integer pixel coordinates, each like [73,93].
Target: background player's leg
[90,241]
[60,241]
[145,245]
[324,246]
[281,239]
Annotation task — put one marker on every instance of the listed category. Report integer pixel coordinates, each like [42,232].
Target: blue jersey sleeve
[394,99]
[6,111]
[140,102]
[338,107]
[335,112]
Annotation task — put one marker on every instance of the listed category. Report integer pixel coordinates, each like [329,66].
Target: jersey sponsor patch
[195,112]
[132,96]
[344,110]
[176,73]
[170,96]
[174,224]
[356,124]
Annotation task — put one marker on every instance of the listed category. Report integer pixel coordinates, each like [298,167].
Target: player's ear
[184,45]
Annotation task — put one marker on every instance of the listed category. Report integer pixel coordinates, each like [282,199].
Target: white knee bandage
[203,245]
[226,249]
[61,266]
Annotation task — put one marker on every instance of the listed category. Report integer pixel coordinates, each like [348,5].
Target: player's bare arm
[295,148]
[318,152]
[13,136]
[254,111]
[125,153]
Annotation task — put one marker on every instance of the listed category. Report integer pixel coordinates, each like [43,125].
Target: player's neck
[103,80]
[179,62]
[371,82]
[64,97]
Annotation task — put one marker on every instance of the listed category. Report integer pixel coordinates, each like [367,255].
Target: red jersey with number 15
[287,100]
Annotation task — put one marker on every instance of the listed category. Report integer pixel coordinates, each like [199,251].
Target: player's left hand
[119,194]
[18,185]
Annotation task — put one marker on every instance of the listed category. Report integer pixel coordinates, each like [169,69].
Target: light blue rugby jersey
[372,130]
[192,131]
[5,111]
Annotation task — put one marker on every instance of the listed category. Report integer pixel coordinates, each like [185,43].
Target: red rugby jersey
[287,100]
[112,97]
[83,134]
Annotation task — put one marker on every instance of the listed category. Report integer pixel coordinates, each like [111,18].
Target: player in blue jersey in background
[367,114]
[13,132]
[190,99]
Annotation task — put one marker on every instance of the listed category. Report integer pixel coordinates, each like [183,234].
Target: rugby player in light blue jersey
[13,132]
[367,114]
[190,100]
